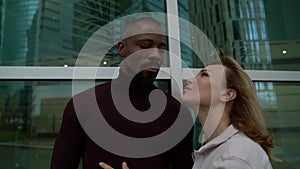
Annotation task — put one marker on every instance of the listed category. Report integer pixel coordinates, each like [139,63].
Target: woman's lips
[186,89]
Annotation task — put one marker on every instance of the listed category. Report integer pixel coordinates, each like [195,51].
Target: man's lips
[154,70]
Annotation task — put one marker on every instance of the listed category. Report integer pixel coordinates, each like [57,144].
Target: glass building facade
[41,40]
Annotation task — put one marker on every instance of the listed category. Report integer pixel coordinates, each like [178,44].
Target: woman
[234,135]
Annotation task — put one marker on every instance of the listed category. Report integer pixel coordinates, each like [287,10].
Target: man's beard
[145,77]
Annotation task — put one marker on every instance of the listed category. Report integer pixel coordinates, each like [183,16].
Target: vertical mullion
[174,49]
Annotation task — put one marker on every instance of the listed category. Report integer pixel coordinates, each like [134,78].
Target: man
[142,52]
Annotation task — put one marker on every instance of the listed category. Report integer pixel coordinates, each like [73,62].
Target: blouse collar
[223,137]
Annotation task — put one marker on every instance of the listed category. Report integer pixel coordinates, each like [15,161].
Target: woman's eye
[204,74]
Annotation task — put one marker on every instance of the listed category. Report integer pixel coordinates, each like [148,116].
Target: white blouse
[232,149]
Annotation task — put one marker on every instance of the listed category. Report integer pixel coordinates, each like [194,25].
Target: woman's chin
[186,101]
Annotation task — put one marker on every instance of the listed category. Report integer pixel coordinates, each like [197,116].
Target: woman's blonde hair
[246,112]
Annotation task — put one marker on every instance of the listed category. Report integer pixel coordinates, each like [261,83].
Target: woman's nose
[187,81]
[190,80]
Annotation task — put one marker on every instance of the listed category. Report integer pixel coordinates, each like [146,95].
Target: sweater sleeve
[182,154]
[68,146]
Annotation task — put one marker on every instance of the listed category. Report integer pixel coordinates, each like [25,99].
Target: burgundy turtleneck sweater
[73,144]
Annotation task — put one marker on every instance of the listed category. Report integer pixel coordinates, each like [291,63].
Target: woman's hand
[105,166]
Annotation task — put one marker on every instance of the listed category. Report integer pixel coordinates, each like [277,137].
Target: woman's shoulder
[243,148]
[240,141]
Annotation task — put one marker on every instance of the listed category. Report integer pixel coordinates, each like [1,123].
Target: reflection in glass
[52,33]
[253,32]
[281,108]
[30,117]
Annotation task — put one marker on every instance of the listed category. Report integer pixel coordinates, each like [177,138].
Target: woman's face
[206,88]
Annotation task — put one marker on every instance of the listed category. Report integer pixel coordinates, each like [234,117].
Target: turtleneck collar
[135,87]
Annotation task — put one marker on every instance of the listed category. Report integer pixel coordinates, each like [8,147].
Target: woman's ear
[122,48]
[229,95]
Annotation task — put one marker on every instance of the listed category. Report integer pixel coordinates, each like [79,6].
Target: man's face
[143,53]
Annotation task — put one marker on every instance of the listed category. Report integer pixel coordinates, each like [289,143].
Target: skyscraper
[16,20]
[236,28]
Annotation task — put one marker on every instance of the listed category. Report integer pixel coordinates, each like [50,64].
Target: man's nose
[156,55]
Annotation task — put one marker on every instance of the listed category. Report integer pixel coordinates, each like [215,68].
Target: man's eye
[162,47]
[145,46]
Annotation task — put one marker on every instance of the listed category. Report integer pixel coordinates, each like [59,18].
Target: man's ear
[122,48]
[229,95]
